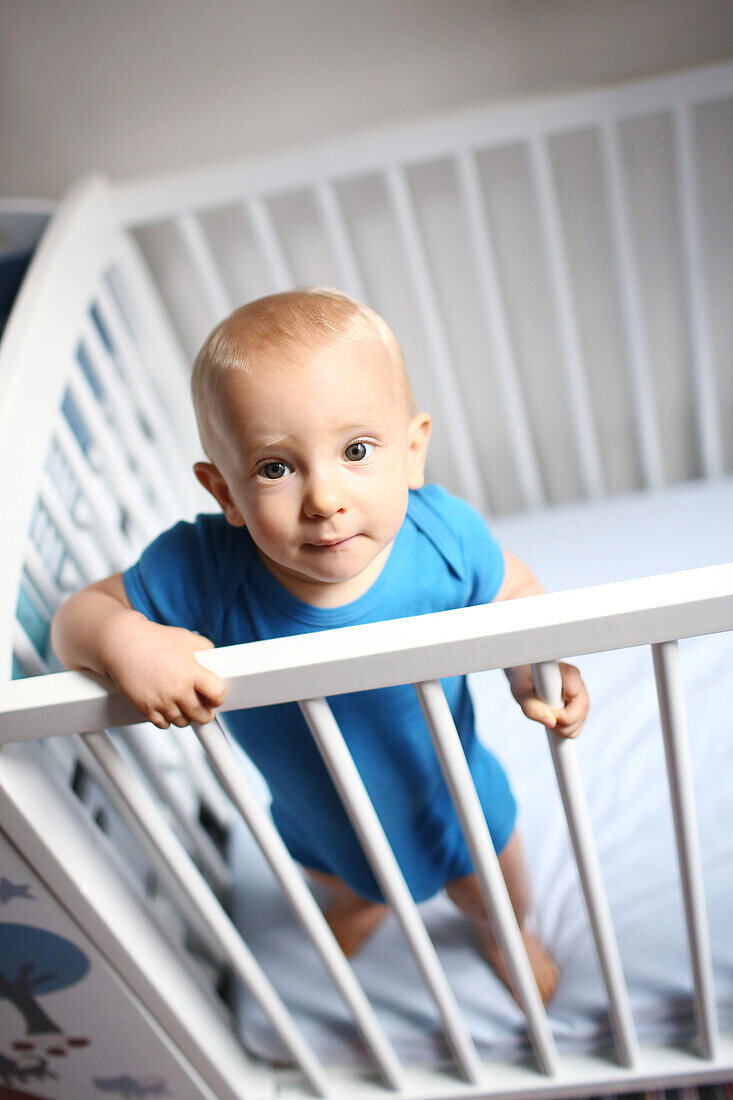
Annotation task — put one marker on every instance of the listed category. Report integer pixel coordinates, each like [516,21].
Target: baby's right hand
[156,668]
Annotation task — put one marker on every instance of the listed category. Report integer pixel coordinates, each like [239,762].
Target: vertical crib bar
[670,694]
[107,518]
[90,566]
[111,456]
[586,436]
[35,665]
[711,451]
[461,436]
[647,424]
[520,436]
[204,264]
[548,682]
[38,572]
[26,653]
[139,378]
[338,235]
[449,750]
[84,552]
[125,414]
[362,814]
[136,740]
[194,891]
[197,766]
[264,230]
[224,763]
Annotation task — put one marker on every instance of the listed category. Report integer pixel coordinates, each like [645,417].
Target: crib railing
[656,611]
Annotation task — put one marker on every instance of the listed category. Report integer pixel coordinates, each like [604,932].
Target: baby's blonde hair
[310,317]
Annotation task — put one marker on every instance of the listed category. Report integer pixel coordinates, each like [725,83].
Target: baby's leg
[466,894]
[350,917]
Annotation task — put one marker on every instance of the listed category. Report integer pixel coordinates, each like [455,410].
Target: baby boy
[316,453]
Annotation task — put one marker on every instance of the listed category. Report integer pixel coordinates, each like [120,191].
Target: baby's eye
[357,452]
[274,471]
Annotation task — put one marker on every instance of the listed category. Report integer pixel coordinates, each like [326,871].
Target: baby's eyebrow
[261,442]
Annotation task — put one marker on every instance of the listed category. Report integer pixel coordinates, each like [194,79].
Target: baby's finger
[574,712]
[570,720]
[176,717]
[158,719]
[538,711]
[572,682]
[198,709]
[564,729]
[211,686]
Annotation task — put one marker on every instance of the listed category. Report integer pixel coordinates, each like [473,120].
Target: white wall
[131,86]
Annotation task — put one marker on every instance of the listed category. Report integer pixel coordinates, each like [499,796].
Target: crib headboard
[566,262]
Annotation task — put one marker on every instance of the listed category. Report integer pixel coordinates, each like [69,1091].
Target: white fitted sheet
[621,760]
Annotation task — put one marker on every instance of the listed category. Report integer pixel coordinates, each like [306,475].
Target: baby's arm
[154,666]
[519,580]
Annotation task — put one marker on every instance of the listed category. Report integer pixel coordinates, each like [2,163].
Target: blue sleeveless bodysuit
[206,576]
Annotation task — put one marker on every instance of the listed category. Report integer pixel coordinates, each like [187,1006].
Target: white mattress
[621,760]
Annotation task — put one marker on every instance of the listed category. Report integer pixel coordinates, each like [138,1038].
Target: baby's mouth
[329,544]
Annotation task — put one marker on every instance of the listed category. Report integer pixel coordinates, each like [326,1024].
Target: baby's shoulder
[435,511]
[461,536]
[206,546]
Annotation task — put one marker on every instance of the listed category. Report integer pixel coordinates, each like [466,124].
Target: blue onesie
[207,576]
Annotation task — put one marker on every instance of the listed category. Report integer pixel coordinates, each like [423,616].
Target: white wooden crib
[558,273]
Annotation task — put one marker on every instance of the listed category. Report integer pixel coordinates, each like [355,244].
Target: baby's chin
[330,575]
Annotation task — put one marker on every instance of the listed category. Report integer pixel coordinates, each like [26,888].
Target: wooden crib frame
[89,330]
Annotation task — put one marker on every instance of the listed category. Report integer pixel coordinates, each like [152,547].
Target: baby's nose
[322,498]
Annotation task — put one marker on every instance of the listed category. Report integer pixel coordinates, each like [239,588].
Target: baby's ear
[418,437]
[214,483]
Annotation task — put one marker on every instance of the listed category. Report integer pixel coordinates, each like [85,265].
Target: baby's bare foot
[544,967]
[351,926]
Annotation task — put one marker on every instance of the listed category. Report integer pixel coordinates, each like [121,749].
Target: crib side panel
[94,424]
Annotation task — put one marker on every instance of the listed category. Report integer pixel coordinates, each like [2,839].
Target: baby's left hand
[566,721]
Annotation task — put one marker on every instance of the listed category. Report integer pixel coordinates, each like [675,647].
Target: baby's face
[317,461]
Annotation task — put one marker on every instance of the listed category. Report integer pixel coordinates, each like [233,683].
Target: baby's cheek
[269,525]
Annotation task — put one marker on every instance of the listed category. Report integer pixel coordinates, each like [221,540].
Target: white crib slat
[125,413]
[204,264]
[195,893]
[679,774]
[439,721]
[367,825]
[303,904]
[26,653]
[338,235]
[91,566]
[586,436]
[520,436]
[110,455]
[272,253]
[38,572]
[80,548]
[647,424]
[34,665]
[137,741]
[548,682]
[460,434]
[138,375]
[106,529]
[711,450]
[197,766]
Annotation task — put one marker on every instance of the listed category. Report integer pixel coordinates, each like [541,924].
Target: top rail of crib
[411,650]
[149,199]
